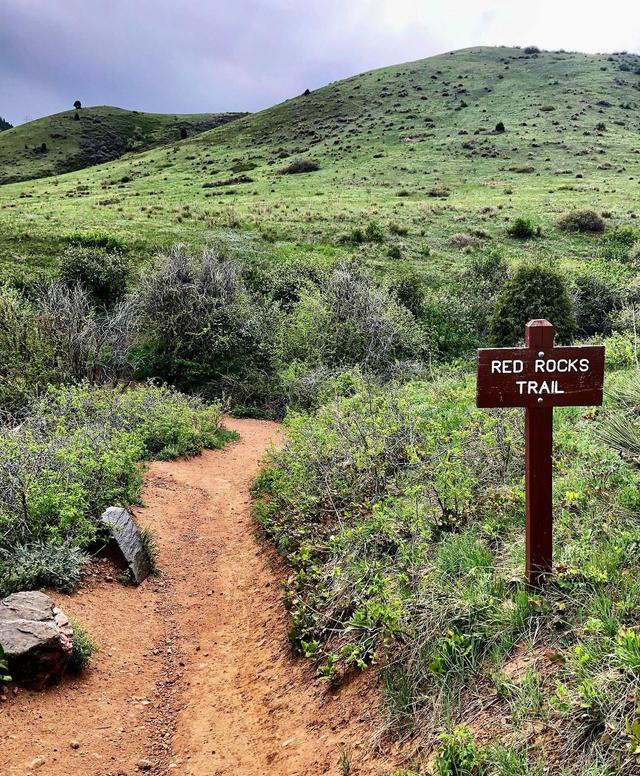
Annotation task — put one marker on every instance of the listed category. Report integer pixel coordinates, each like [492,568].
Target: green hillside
[72,140]
[412,146]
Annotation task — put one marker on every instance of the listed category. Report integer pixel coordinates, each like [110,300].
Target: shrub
[595,300]
[522,228]
[500,127]
[200,325]
[75,454]
[531,50]
[303,165]
[459,754]
[40,563]
[348,321]
[581,221]
[103,273]
[84,647]
[374,232]
[634,254]
[534,291]
[617,243]
[96,239]
[26,357]
[85,344]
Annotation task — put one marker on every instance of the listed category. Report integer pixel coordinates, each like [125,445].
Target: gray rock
[36,637]
[129,540]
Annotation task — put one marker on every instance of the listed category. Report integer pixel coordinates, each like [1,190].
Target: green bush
[26,356]
[401,514]
[617,244]
[348,320]
[459,755]
[595,301]
[303,165]
[581,221]
[104,273]
[201,328]
[84,647]
[96,239]
[534,291]
[522,228]
[58,336]
[76,453]
[374,232]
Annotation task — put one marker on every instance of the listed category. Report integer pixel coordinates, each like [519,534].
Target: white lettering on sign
[562,365]
[535,387]
[507,367]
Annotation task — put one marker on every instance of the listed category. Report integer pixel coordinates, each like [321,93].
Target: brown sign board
[540,377]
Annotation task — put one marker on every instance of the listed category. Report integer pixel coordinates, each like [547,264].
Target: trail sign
[539,377]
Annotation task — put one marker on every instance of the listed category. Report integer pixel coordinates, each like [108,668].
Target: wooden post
[539,335]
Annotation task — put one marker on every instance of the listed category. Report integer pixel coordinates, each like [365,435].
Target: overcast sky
[213,55]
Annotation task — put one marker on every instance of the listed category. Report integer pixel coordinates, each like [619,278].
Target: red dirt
[194,675]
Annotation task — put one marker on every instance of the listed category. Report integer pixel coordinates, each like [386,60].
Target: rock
[36,637]
[128,538]
[145,765]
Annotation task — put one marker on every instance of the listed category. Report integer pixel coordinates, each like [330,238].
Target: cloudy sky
[214,55]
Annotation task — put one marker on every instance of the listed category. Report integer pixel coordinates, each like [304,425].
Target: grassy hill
[398,503]
[414,147]
[72,140]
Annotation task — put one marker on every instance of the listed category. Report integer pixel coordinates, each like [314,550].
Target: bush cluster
[534,291]
[77,452]
[401,512]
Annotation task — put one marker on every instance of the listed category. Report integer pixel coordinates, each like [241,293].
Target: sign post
[539,377]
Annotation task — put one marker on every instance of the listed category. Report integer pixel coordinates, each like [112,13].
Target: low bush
[58,336]
[534,291]
[401,513]
[200,326]
[581,221]
[84,647]
[302,165]
[96,239]
[617,243]
[105,274]
[348,320]
[77,452]
[595,300]
[523,228]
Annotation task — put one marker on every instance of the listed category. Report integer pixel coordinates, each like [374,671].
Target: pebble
[75,745]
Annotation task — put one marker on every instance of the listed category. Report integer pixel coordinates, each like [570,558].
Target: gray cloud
[214,55]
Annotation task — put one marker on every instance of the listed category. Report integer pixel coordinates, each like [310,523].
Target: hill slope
[414,147]
[61,143]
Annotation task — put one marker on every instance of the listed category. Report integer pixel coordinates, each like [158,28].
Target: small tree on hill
[534,291]
[77,105]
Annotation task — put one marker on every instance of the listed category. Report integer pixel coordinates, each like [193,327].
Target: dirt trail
[194,675]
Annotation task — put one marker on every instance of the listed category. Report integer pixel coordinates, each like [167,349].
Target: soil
[194,675]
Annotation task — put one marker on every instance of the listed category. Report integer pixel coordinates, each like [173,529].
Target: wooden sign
[539,377]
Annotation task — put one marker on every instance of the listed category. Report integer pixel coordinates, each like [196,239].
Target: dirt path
[194,675]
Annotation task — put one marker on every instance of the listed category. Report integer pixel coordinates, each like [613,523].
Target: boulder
[128,538]
[36,637]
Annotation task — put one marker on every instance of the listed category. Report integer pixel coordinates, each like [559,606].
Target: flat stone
[36,637]
[128,538]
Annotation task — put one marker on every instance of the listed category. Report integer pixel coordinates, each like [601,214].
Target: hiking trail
[194,675]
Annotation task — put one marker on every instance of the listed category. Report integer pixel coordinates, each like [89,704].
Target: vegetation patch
[401,513]
[77,451]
